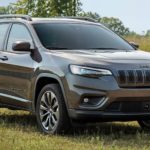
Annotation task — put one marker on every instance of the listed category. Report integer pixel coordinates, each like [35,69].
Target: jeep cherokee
[71,69]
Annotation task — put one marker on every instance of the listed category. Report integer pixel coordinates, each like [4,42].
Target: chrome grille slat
[134,78]
[140,78]
[147,76]
[122,76]
[131,76]
[127,76]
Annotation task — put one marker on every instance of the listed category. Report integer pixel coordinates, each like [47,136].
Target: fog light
[86,100]
[93,102]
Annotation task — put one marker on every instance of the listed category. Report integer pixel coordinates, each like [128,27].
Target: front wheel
[144,124]
[51,112]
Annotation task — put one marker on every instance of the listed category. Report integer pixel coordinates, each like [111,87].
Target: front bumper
[98,116]
[81,87]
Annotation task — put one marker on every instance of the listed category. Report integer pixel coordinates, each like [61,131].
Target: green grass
[18,131]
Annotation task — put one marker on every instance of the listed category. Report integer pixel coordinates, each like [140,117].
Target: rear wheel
[51,110]
[145,124]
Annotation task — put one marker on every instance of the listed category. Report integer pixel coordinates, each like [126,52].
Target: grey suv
[71,69]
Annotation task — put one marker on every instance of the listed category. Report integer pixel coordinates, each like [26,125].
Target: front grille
[134,78]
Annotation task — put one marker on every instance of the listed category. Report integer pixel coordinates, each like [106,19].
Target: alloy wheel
[49,110]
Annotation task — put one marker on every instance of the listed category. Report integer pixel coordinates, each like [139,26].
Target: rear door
[17,70]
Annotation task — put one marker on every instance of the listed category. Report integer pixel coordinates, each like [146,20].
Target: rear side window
[3,31]
[19,33]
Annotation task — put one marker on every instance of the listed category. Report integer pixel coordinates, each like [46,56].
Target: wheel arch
[41,81]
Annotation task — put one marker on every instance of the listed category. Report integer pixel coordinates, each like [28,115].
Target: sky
[135,14]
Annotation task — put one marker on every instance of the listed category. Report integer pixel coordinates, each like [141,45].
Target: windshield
[79,36]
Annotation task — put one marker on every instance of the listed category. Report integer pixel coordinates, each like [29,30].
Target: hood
[128,55]
[107,58]
[107,54]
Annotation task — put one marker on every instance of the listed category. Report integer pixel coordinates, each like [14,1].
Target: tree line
[52,8]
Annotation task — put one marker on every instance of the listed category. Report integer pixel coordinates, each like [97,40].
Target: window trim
[2,47]
[8,35]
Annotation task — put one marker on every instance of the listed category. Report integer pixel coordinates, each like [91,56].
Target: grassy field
[144,42]
[18,131]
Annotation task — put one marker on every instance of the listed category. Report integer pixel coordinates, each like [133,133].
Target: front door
[17,70]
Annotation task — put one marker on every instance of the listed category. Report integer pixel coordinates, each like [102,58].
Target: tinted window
[18,33]
[3,30]
[79,36]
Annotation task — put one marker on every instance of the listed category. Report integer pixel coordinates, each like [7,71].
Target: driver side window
[19,33]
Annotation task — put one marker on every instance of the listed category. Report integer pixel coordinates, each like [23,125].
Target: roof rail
[80,18]
[25,17]
[29,18]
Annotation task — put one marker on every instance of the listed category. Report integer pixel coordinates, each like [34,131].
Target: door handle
[4,58]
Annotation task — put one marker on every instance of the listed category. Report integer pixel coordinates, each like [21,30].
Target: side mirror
[21,46]
[134,45]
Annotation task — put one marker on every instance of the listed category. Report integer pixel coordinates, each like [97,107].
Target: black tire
[63,121]
[144,124]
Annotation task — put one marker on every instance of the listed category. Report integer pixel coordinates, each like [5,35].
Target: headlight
[89,72]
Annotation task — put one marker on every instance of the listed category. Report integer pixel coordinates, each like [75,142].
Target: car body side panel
[16,74]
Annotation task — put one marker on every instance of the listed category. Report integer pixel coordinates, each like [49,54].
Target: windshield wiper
[65,48]
[56,48]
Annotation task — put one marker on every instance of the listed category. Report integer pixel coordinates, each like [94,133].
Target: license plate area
[128,107]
